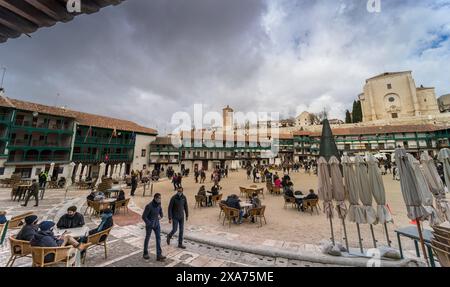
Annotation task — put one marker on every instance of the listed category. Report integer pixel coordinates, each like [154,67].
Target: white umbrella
[83,176]
[435,184]
[101,172]
[78,172]
[122,170]
[69,174]
[50,171]
[325,191]
[376,187]
[107,169]
[424,190]
[444,157]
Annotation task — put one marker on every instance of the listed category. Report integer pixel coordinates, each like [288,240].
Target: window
[389,86]
[2,170]
[391,99]
[143,152]
[37,171]
[394,115]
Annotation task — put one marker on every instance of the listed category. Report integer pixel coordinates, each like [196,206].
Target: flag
[88,133]
[114,133]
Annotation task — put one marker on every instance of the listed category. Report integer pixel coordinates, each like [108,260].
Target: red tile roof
[82,118]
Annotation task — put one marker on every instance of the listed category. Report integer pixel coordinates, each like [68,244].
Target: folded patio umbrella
[435,185]
[50,171]
[444,157]
[365,195]
[84,175]
[69,174]
[411,194]
[101,172]
[376,187]
[338,192]
[355,213]
[325,191]
[78,172]
[122,170]
[424,191]
[107,167]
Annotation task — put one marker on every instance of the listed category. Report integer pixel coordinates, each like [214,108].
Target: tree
[348,117]
[357,112]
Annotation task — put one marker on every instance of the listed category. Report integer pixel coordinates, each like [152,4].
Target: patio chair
[258,213]
[19,249]
[311,204]
[442,252]
[199,199]
[441,238]
[216,198]
[289,200]
[48,256]
[269,187]
[230,214]
[122,204]
[3,230]
[222,209]
[243,190]
[97,239]
[444,231]
[19,220]
[96,207]
[276,190]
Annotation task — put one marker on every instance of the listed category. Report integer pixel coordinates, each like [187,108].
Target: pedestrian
[178,207]
[34,191]
[42,179]
[134,182]
[152,215]
[202,176]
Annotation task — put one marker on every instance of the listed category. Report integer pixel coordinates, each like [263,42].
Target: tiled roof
[373,130]
[388,74]
[162,141]
[82,118]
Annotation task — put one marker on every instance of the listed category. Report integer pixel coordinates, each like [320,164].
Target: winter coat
[27,232]
[152,213]
[178,207]
[66,221]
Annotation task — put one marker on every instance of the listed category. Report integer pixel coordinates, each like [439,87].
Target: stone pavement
[205,245]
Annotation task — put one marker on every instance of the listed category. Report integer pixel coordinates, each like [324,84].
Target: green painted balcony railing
[5,118]
[103,141]
[42,129]
[90,157]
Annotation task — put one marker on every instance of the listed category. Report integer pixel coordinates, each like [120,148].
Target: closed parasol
[325,191]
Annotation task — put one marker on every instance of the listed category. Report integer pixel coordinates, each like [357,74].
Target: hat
[46,225]
[30,219]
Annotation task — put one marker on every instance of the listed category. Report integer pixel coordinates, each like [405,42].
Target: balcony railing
[66,128]
[111,157]
[103,141]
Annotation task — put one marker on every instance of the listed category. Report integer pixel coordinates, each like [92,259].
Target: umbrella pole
[332,232]
[345,230]
[373,236]
[422,241]
[387,234]
[359,237]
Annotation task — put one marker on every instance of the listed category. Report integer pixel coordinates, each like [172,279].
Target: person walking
[178,207]
[42,179]
[34,191]
[134,182]
[152,215]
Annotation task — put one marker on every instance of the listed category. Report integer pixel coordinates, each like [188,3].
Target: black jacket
[45,239]
[109,223]
[27,232]
[66,221]
[233,202]
[311,196]
[151,214]
[178,206]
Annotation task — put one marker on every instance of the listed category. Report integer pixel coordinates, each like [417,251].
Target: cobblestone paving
[125,243]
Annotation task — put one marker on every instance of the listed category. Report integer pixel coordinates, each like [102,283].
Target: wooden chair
[258,213]
[222,209]
[199,199]
[60,255]
[3,230]
[122,204]
[19,249]
[18,220]
[97,239]
[444,231]
[216,198]
[243,190]
[442,252]
[269,187]
[96,207]
[103,186]
[310,204]
[441,238]
[230,214]
[276,190]
[289,200]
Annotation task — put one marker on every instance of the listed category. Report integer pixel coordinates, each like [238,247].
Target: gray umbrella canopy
[376,187]
[355,214]
[435,184]
[338,189]
[444,157]
[409,186]
[362,183]
[424,190]
[324,189]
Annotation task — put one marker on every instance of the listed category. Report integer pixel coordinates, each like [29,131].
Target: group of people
[233,201]
[215,190]
[199,173]
[41,234]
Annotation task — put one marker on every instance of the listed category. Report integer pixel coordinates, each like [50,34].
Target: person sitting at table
[311,195]
[233,201]
[3,217]
[202,192]
[214,191]
[72,219]
[29,229]
[107,222]
[256,203]
[120,196]
[288,190]
[46,238]
[277,182]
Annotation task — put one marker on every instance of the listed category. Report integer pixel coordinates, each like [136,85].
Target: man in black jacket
[72,219]
[177,208]
[151,216]
[29,229]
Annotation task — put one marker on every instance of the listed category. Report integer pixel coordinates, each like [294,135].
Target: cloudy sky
[147,59]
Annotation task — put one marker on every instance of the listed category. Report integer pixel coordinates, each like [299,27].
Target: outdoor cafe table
[412,233]
[74,232]
[258,190]
[299,196]
[245,205]
[115,189]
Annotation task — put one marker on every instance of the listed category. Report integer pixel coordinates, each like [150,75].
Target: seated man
[107,222]
[288,190]
[202,192]
[256,203]
[29,229]
[72,219]
[121,195]
[311,195]
[233,201]
[3,217]
[214,191]
[45,237]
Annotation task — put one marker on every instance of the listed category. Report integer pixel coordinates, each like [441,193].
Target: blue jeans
[175,223]
[148,232]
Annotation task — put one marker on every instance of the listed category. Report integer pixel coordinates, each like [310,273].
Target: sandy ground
[283,224]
